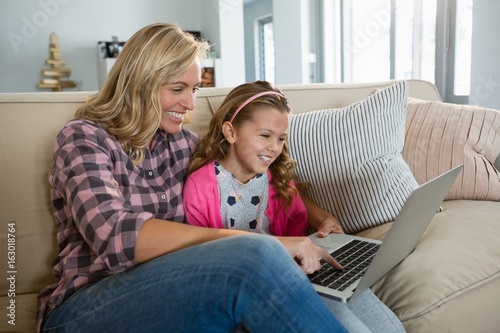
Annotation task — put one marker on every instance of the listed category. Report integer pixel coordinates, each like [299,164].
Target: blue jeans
[246,283]
[366,314]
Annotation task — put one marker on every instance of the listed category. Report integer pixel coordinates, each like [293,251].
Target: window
[266,49]
[397,39]
[383,39]
[367,40]
[415,40]
[463,40]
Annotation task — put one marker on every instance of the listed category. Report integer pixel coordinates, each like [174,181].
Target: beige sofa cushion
[25,313]
[443,135]
[457,255]
[307,97]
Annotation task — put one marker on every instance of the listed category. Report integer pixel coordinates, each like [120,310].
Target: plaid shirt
[100,199]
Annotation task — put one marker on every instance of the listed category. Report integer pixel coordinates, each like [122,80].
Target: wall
[290,22]
[485,71]
[227,26]
[291,43]
[25,27]
[253,12]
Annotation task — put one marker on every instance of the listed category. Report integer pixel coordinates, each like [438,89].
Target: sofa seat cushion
[25,313]
[457,254]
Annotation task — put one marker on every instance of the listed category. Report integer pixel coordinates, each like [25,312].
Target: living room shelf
[210,77]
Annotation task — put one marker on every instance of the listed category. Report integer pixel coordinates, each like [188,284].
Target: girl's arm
[321,220]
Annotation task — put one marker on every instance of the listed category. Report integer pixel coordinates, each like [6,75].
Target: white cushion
[351,156]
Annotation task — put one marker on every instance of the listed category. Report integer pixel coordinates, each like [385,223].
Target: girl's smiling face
[255,144]
[178,97]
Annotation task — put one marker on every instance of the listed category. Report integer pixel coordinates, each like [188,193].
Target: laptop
[366,260]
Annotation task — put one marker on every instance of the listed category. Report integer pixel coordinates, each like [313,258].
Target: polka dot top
[243,206]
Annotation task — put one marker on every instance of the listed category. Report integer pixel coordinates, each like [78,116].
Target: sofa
[449,283]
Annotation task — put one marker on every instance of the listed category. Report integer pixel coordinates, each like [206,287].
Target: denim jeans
[246,282]
[366,314]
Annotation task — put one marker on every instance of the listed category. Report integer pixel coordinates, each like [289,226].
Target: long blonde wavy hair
[214,146]
[129,103]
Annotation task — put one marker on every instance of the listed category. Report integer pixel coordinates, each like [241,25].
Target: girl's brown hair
[128,105]
[214,146]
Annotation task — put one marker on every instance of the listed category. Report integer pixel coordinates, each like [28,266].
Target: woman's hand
[307,254]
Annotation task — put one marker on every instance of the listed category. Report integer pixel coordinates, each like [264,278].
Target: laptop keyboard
[354,257]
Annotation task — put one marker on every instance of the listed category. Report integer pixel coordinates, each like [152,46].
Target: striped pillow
[352,158]
[442,135]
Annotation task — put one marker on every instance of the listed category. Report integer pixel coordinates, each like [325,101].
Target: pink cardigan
[202,205]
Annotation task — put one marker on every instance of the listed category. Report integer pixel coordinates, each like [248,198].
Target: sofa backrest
[308,97]
[29,124]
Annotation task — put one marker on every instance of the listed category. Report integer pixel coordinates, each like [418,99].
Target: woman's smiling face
[178,97]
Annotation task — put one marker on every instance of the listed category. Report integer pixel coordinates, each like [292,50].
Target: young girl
[242,176]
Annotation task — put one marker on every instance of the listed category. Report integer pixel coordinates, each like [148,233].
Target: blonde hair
[214,146]
[128,105]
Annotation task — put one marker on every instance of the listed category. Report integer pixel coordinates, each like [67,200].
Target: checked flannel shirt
[100,199]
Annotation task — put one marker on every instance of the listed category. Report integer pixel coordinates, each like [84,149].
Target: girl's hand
[307,254]
[319,219]
[329,225]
